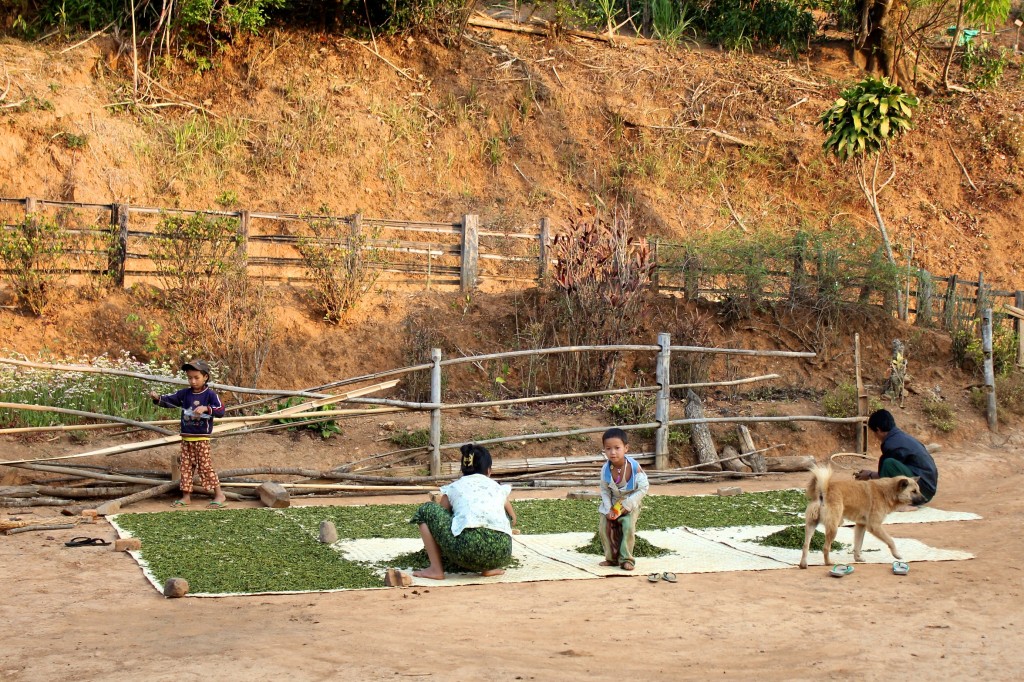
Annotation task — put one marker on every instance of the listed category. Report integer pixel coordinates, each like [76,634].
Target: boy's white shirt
[478,502]
[612,493]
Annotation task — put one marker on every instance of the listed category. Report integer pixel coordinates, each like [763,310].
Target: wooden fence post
[691,277]
[119,216]
[31,206]
[924,299]
[980,300]
[949,310]
[661,408]
[862,399]
[1018,327]
[435,414]
[656,267]
[797,280]
[544,237]
[990,375]
[242,247]
[470,251]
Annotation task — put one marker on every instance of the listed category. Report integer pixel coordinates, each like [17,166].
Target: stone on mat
[273,495]
[127,544]
[175,587]
[395,578]
[729,491]
[328,533]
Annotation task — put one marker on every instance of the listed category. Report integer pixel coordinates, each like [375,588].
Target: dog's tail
[817,490]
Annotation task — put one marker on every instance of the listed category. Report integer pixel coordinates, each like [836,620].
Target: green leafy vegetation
[842,401]
[867,117]
[641,548]
[940,414]
[792,537]
[38,255]
[256,550]
[418,438]
[340,262]
[324,427]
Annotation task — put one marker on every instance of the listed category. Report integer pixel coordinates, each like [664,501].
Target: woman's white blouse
[478,502]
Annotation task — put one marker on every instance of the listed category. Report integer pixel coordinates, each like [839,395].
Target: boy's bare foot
[628,565]
[493,572]
[427,573]
[607,563]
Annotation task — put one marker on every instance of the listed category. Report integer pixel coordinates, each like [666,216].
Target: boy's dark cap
[198,365]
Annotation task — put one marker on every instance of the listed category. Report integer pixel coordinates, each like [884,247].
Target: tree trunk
[877,46]
[956,39]
[700,434]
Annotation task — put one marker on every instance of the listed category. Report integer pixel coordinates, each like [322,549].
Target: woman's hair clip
[467,459]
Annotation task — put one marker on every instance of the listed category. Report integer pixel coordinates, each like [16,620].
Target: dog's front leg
[887,539]
[858,541]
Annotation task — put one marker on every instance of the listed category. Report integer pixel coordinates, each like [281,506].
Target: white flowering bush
[86,391]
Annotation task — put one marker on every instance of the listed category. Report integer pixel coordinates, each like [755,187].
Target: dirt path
[88,614]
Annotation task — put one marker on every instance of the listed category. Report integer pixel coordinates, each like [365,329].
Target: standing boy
[199,405]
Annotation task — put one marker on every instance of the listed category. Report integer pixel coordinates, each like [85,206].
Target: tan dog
[866,503]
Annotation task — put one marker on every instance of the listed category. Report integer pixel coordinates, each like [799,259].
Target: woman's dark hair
[475,459]
[881,420]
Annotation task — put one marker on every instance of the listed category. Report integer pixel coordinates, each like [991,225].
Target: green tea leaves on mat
[642,548]
[542,517]
[241,550]
[792,537]
[369,521]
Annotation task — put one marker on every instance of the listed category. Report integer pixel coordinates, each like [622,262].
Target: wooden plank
[661,409]
[990,375]
[470,251]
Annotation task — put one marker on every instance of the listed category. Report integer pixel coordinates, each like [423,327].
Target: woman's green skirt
[474,549]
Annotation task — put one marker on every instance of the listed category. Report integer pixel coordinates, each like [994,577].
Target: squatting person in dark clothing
[902,455]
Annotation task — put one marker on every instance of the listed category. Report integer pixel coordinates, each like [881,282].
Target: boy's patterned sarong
[195,454]
[474,549]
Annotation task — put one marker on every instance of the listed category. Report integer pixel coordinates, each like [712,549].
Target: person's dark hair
[475,459]
[881,420]
[615,433]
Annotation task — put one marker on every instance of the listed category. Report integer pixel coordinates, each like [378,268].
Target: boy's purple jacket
[187,400]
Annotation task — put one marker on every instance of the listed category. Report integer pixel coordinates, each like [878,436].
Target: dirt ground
[88,613]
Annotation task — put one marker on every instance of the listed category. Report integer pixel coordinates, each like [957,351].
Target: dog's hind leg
[858,540]
[880,533]
[831,527]
[810,524]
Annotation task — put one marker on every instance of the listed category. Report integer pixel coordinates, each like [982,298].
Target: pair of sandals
[211,505]
[667,576]
[840,570]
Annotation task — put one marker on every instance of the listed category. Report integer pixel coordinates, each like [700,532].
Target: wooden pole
[1018,327]
[656,267]
[31,206]
[979,301]
[219,428]
[700,434]
[470,251]
[862,399]
[242,247]
[114,506]
[661,408]
[435,414]
[990,375]
[924,299]
[545,245]
[86,415]
[949,310]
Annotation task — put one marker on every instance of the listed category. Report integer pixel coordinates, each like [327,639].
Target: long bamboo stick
[169,422]
[338,486]
[46,526]
[87,415]
[89,369]
[219,428]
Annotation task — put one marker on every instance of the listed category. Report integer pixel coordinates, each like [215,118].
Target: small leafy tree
[340,262]
[191,252]
[38,256]
[860,125]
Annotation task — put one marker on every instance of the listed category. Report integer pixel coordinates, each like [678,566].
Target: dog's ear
[905,482]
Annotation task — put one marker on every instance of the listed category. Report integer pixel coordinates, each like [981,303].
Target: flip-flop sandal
[217,505]
[900,567]
[839,570]
[86,542]
[669,577]
[179,503]
[654,577]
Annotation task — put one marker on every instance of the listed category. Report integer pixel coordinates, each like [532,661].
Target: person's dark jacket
[908,450]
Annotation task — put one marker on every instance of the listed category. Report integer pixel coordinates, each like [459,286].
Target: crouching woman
[470,526]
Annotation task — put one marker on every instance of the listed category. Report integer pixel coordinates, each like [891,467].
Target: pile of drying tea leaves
[272,550]
[641,548]
[793,538]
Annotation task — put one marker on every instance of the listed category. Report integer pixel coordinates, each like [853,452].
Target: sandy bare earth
[88,614]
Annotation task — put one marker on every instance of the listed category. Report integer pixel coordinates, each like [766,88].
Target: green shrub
[38,256]
[742,24]
[940,414]
[419,438]
[969,354]
[1010,392]
[842,402]
[630,408]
